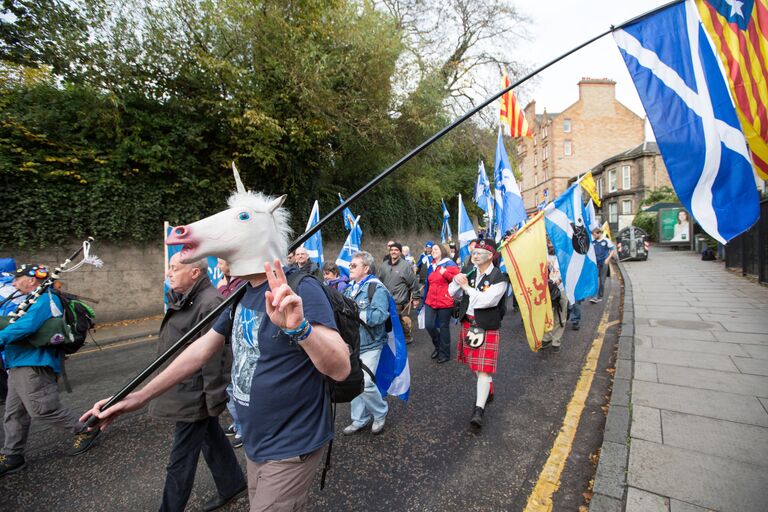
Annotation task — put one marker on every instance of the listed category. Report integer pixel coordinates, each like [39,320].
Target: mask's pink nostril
[181,231]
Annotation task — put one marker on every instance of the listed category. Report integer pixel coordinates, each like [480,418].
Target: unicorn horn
[238,181]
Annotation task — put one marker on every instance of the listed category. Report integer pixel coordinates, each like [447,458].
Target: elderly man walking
[397,275]
[196,402]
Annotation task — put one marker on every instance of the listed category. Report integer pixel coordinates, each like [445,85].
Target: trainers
[83,442]
[237,441]
[352,428]
[599,299]
[477,417]
[231,431]
[11,464]
[594,300]
[378,426]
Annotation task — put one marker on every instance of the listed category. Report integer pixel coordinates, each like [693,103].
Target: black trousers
[189,439]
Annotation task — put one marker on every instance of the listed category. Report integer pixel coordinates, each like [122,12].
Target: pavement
[687,428]
[140,328]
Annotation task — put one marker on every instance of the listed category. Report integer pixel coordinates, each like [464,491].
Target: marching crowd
[275,338]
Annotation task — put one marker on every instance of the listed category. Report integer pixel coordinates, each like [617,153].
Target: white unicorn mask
[253,231]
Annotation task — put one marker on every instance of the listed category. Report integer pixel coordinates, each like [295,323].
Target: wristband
[298,330]
[301,337]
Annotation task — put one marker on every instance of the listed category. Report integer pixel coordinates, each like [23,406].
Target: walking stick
[92,421]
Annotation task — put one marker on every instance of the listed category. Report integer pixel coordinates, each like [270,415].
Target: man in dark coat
[195,403]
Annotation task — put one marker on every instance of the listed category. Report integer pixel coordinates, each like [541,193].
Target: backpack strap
[238,297]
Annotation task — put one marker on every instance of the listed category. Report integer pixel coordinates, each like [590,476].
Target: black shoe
[434,354]
[441,360]
[83,442]
[218,501]
[546,345]
[575,327]
[477,417]
[11,464]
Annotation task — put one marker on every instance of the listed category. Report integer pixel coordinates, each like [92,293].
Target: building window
[544,153]
[567,125]
[535,138]
[544,132]
[613,216]
[536,180]
[546,173]
[612,180]
[567,148]
[600,187]
[626,207]
[626,179]
[535,159]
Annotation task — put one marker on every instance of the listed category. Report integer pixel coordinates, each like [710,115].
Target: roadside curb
[124,337]
[610,487]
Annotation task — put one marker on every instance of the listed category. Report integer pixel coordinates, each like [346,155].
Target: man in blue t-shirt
[604,251]
[283,344]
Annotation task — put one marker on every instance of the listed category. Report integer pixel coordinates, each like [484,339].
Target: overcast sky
[556,27]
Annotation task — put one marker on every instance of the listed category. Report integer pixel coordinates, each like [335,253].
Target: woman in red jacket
[439,302]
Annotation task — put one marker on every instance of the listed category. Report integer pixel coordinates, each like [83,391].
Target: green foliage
[660,195]
[648,223]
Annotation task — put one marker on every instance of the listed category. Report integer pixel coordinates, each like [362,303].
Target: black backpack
[80,318]
[555,295]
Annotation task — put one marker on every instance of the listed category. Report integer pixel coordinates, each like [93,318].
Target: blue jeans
[232,408]
[189,439]
[576,313]
[369,405]
[441,337]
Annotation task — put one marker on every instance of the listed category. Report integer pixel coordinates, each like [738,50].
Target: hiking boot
[352,428]
[477,417]
[231,431]
[83,442]
[378,426]
[10,464]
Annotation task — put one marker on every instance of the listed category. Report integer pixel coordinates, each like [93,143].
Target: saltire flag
[525,257]
[587,182]
[508,202]
[351,247]
[393,375]
[466,231]
[483,190]
[567,228]
[349,219]
[512,115]
[445,232]
[681,84]
[739,31]
[591,216]
[314,245]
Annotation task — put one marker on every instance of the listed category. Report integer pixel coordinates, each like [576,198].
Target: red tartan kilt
[481,359]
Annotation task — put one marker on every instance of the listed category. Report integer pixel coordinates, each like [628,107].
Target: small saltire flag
[393,375]
[351,246]
[349,219]
[314,245]
[508,202]
[739,32]
[483,190]
[591,216]
[587,182]
[607,230]
[512,115]
[445,232]
[681,84]
[466,231]
[525,257]
[568,230]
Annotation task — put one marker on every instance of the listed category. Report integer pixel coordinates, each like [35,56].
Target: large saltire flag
[466,231]
[349,219]
[445,233]
[314,245]
[351,246]
[681,84]
[482,194]
[587,182]
[393,375]
[567,228]
[525,257]
[508,201]
[512,115]
[591,216]
[739,31]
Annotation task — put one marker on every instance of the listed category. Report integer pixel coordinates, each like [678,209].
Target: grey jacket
[202,394]
[400,280]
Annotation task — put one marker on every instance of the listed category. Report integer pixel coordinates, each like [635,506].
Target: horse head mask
[252,231]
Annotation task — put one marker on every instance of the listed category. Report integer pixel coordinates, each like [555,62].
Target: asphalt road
[427,459]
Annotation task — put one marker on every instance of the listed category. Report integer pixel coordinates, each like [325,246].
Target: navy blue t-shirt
[281,399]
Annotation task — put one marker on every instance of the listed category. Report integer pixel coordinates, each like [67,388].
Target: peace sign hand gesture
[285,308]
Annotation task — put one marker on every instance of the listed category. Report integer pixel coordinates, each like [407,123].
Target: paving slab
[681,506]
[746,443]
[646,423]
[729,382]
[700,479]
[702,347]
[684,358]
[617,424]
[646,371]
[745,327]
[611,471]
[701,402]
[757,351]
[750,365]
[741,337]
[602,503]
[668,332]
[643,501]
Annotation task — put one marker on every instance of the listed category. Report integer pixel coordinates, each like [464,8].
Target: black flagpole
[134,383]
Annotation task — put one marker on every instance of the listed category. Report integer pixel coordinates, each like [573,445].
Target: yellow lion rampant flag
[525,256]
[588,183]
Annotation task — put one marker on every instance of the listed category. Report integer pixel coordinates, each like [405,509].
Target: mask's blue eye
[243,216]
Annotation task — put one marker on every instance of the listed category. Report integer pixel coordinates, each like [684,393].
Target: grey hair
[366,258]
[201,264]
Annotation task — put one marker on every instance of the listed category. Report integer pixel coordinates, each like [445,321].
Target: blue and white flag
[567,228]
[482,196]
[509,210]
[314,245]
[393,375]
[351,247]
[591,216]
[681,84]
[445,233]
[349,219]
[214,272]
[466,231]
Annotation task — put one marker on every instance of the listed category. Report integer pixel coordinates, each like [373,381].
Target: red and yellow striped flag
[512,115]
[739,30]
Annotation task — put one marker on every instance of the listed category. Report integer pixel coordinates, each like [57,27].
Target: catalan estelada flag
[525,257]
[512,115]
[739,30]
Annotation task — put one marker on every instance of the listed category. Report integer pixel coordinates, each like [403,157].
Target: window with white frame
[626,207]
[626,178]
[544,132]
[535,159]
[600,187]
[613,215]
[536,180]
[567,125]
[612,180]
[545,153]
[567,148]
